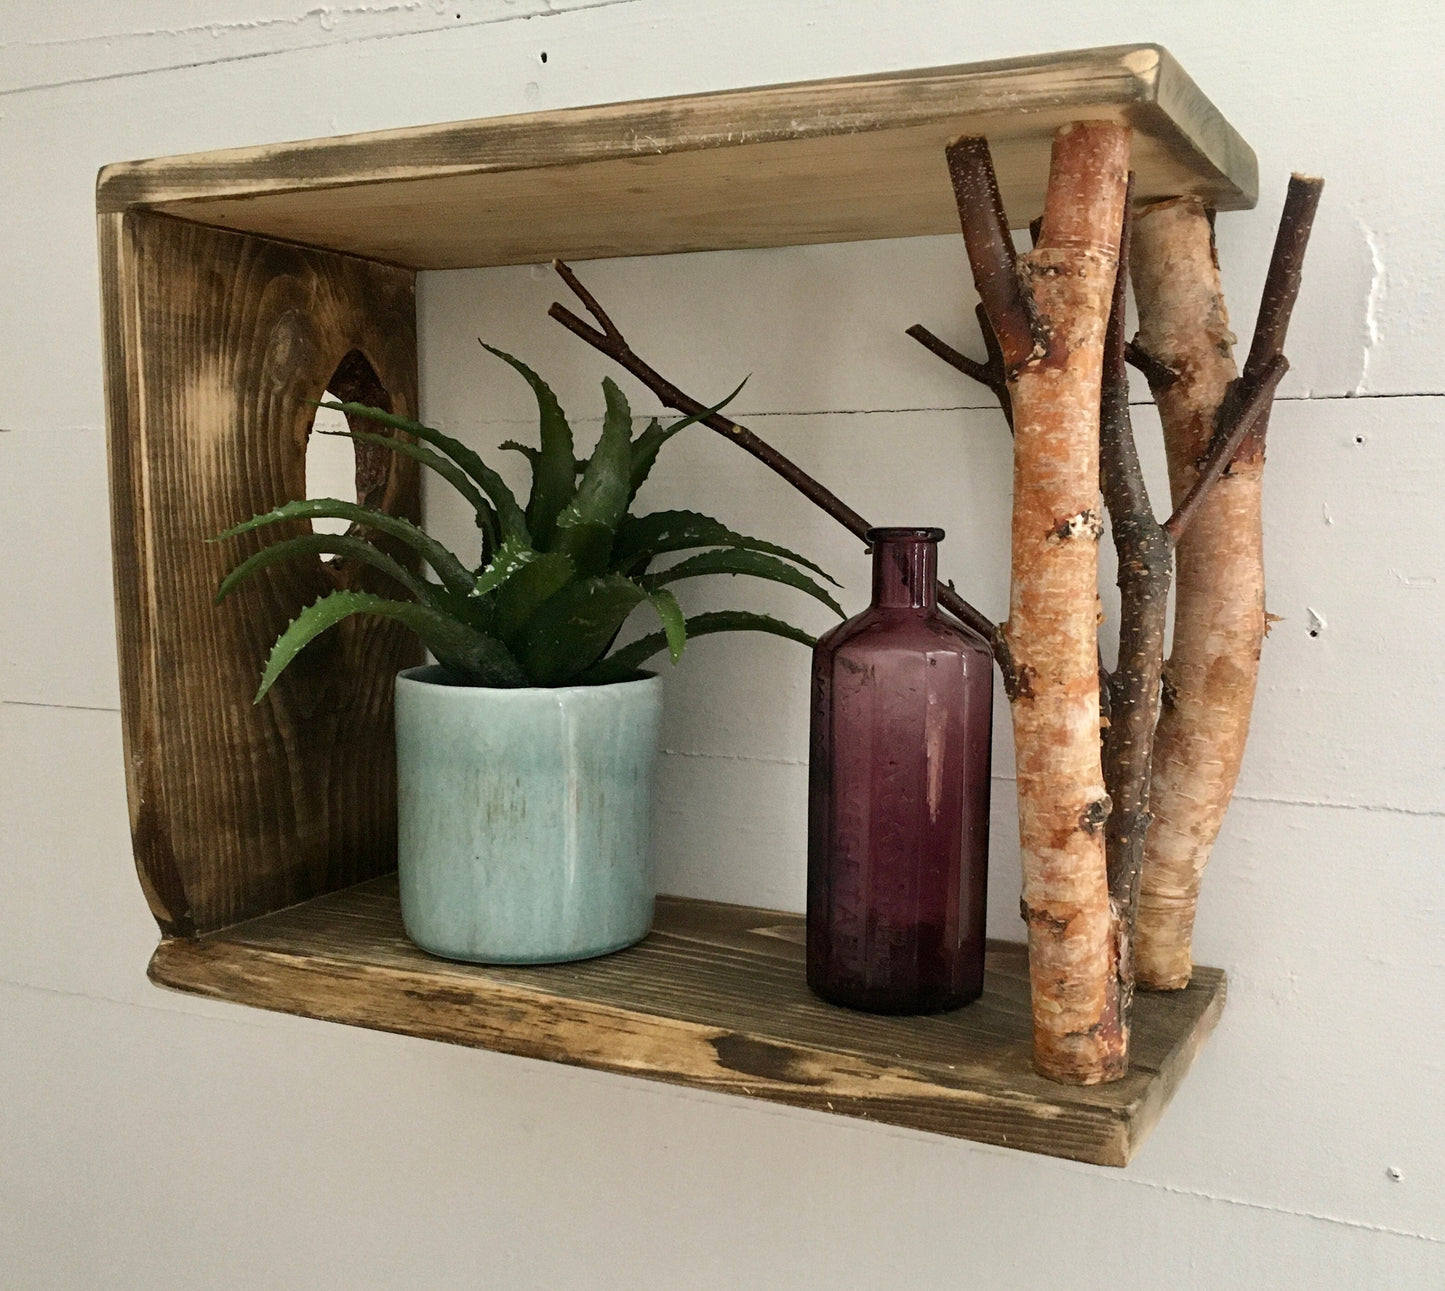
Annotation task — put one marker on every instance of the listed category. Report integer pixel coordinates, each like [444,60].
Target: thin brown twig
[1277,300]
[622,354]
[990,375]
[589,301]
[954,358]
[993,350]
[1144,574]
[610,341]
[1257,394]
[991,252]
[1286,264]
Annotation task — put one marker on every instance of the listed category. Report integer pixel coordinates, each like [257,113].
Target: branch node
[1157,373]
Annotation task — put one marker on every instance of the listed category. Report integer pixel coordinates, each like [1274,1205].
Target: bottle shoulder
[877,628]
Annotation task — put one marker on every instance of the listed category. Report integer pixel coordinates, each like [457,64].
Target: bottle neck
[905,568]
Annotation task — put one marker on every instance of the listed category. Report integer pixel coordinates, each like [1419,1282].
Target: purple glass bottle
[898,780]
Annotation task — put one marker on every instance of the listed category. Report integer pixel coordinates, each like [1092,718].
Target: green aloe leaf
[531,454]
[449,569]
[640,538]
[625,662]
[512,556]
[474,612]
[739,560]
[649,443]
[524,593]
[674,625]
[443,466]
[587,546]
[323,544]
[480,658]
[513,522]
[554,466]
[586,527]
[526,450]
[574,628]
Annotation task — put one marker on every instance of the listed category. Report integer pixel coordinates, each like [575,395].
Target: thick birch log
[1146,554]
[1219,622]
[1052,629]
[1049,314]
[1219,618]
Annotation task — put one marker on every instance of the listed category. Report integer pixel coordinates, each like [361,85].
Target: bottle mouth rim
[903,534]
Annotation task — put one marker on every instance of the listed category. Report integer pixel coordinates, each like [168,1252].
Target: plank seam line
[79,708]
[1002,777]
[258,1022]
[1133,403]
[1384,808]
[757,414]
[1365,1225]
[765,760]
[442,422]
[309,48]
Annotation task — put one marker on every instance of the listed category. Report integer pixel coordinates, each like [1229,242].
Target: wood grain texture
[822,161]
[214,343]
[714,998]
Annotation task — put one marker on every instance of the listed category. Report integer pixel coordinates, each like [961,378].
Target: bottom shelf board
[714,998]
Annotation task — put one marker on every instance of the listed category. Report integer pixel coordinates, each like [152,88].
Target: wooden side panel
[214,343]
[714,998]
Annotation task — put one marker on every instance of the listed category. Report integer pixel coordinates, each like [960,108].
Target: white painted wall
[151,1140]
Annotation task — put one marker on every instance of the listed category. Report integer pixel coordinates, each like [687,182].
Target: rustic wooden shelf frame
[714,999]
[238,286]
[824,161]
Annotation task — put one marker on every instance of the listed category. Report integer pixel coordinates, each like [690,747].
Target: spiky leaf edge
[623,664]
[453,644]
[449,568]
[509,513]
[740,560]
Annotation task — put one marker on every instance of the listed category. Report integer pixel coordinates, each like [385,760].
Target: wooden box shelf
[715,999]
[823,161]
[238,286]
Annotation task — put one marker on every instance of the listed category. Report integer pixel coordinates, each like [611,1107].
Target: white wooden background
[151,1140]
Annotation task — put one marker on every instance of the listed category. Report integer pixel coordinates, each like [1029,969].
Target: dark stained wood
[714,999]
[214,342]
[821,161]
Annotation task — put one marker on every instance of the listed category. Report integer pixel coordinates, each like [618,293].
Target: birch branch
[1048,312]
[1209,680]
[1145,551]
[1145,567]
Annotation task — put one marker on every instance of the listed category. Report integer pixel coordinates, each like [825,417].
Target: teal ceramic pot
[524,817]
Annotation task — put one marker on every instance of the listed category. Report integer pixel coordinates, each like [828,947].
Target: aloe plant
[555,581]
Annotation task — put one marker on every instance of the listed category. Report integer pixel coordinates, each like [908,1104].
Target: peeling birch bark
[1052,631]
[1219,618]
[1219,623]
[1048,313]
[1146,550]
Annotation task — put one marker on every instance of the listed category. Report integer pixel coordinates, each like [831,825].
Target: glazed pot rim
[413,676]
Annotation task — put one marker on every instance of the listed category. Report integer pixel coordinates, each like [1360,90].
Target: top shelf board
[820,161]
